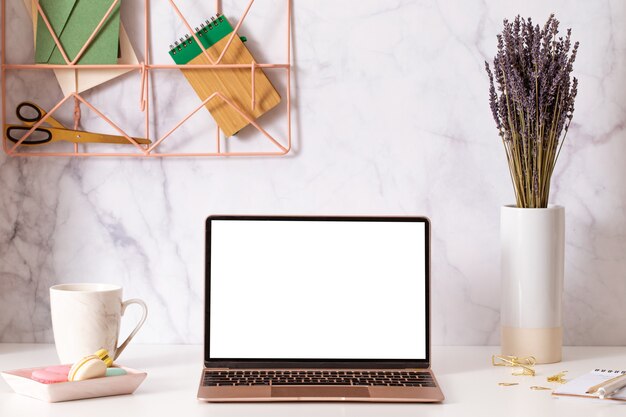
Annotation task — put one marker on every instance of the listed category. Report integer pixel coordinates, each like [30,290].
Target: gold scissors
[30,113]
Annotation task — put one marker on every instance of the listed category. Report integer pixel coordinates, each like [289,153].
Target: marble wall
[390,117]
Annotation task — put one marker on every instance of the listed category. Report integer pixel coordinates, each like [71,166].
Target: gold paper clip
[558,378]
[526,363]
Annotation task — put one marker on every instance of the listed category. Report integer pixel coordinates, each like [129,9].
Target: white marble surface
[390,117]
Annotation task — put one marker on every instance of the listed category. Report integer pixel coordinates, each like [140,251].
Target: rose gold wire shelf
[280,147]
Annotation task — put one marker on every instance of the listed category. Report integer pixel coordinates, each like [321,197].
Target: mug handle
[132,334]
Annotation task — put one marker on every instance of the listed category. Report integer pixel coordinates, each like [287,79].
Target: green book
[74,21]
[210,33]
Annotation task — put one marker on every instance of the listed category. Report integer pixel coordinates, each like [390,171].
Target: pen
[608,387]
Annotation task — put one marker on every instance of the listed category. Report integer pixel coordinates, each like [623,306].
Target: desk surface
[465,374]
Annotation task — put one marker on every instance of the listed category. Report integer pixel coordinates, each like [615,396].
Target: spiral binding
[610,371]
[204,28]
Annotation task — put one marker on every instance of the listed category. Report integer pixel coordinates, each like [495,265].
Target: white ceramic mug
[86,318]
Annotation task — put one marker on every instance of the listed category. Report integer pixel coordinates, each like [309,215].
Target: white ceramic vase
[533,242]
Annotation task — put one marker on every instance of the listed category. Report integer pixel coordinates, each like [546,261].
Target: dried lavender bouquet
[534,103]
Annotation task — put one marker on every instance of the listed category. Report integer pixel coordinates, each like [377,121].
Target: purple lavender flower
[533,103]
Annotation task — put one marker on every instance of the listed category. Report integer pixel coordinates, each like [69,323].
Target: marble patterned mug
[87,317]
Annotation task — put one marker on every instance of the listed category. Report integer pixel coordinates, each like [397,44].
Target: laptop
[317,309]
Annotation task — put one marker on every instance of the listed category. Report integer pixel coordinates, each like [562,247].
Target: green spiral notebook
[234,83]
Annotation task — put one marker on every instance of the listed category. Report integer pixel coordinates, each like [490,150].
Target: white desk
[465,374]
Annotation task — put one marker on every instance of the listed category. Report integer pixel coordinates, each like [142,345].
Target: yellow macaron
[104,355]
[88,367]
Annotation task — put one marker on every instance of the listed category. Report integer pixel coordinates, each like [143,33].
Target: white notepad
[578,387]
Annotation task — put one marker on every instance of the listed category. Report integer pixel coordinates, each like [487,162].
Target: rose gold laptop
[317,309]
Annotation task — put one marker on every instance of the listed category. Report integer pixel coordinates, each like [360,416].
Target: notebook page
[580,385]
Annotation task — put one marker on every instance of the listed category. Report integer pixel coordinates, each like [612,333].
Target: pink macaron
[46,377]
[59,369]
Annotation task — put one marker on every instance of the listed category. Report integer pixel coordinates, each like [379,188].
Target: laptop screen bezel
[313,363]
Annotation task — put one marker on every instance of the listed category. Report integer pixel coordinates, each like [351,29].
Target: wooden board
[236,84]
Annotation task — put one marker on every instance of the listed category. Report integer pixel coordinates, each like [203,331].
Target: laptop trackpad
[320,392]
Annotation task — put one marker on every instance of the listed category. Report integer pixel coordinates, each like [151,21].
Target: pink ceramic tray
[21,383]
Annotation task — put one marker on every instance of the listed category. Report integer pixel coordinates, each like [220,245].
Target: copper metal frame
[144,68]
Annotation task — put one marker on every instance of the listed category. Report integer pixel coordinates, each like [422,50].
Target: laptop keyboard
[312,377]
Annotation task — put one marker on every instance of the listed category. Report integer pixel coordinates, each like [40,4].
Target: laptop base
[313,393]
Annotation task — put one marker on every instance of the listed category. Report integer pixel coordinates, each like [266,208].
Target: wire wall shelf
[273,145]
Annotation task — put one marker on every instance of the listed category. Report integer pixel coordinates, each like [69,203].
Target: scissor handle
[28,141]
[22,114]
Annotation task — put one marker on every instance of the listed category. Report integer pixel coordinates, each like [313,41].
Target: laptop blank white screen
[317,290]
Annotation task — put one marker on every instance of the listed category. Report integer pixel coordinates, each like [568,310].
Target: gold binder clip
[526,363]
